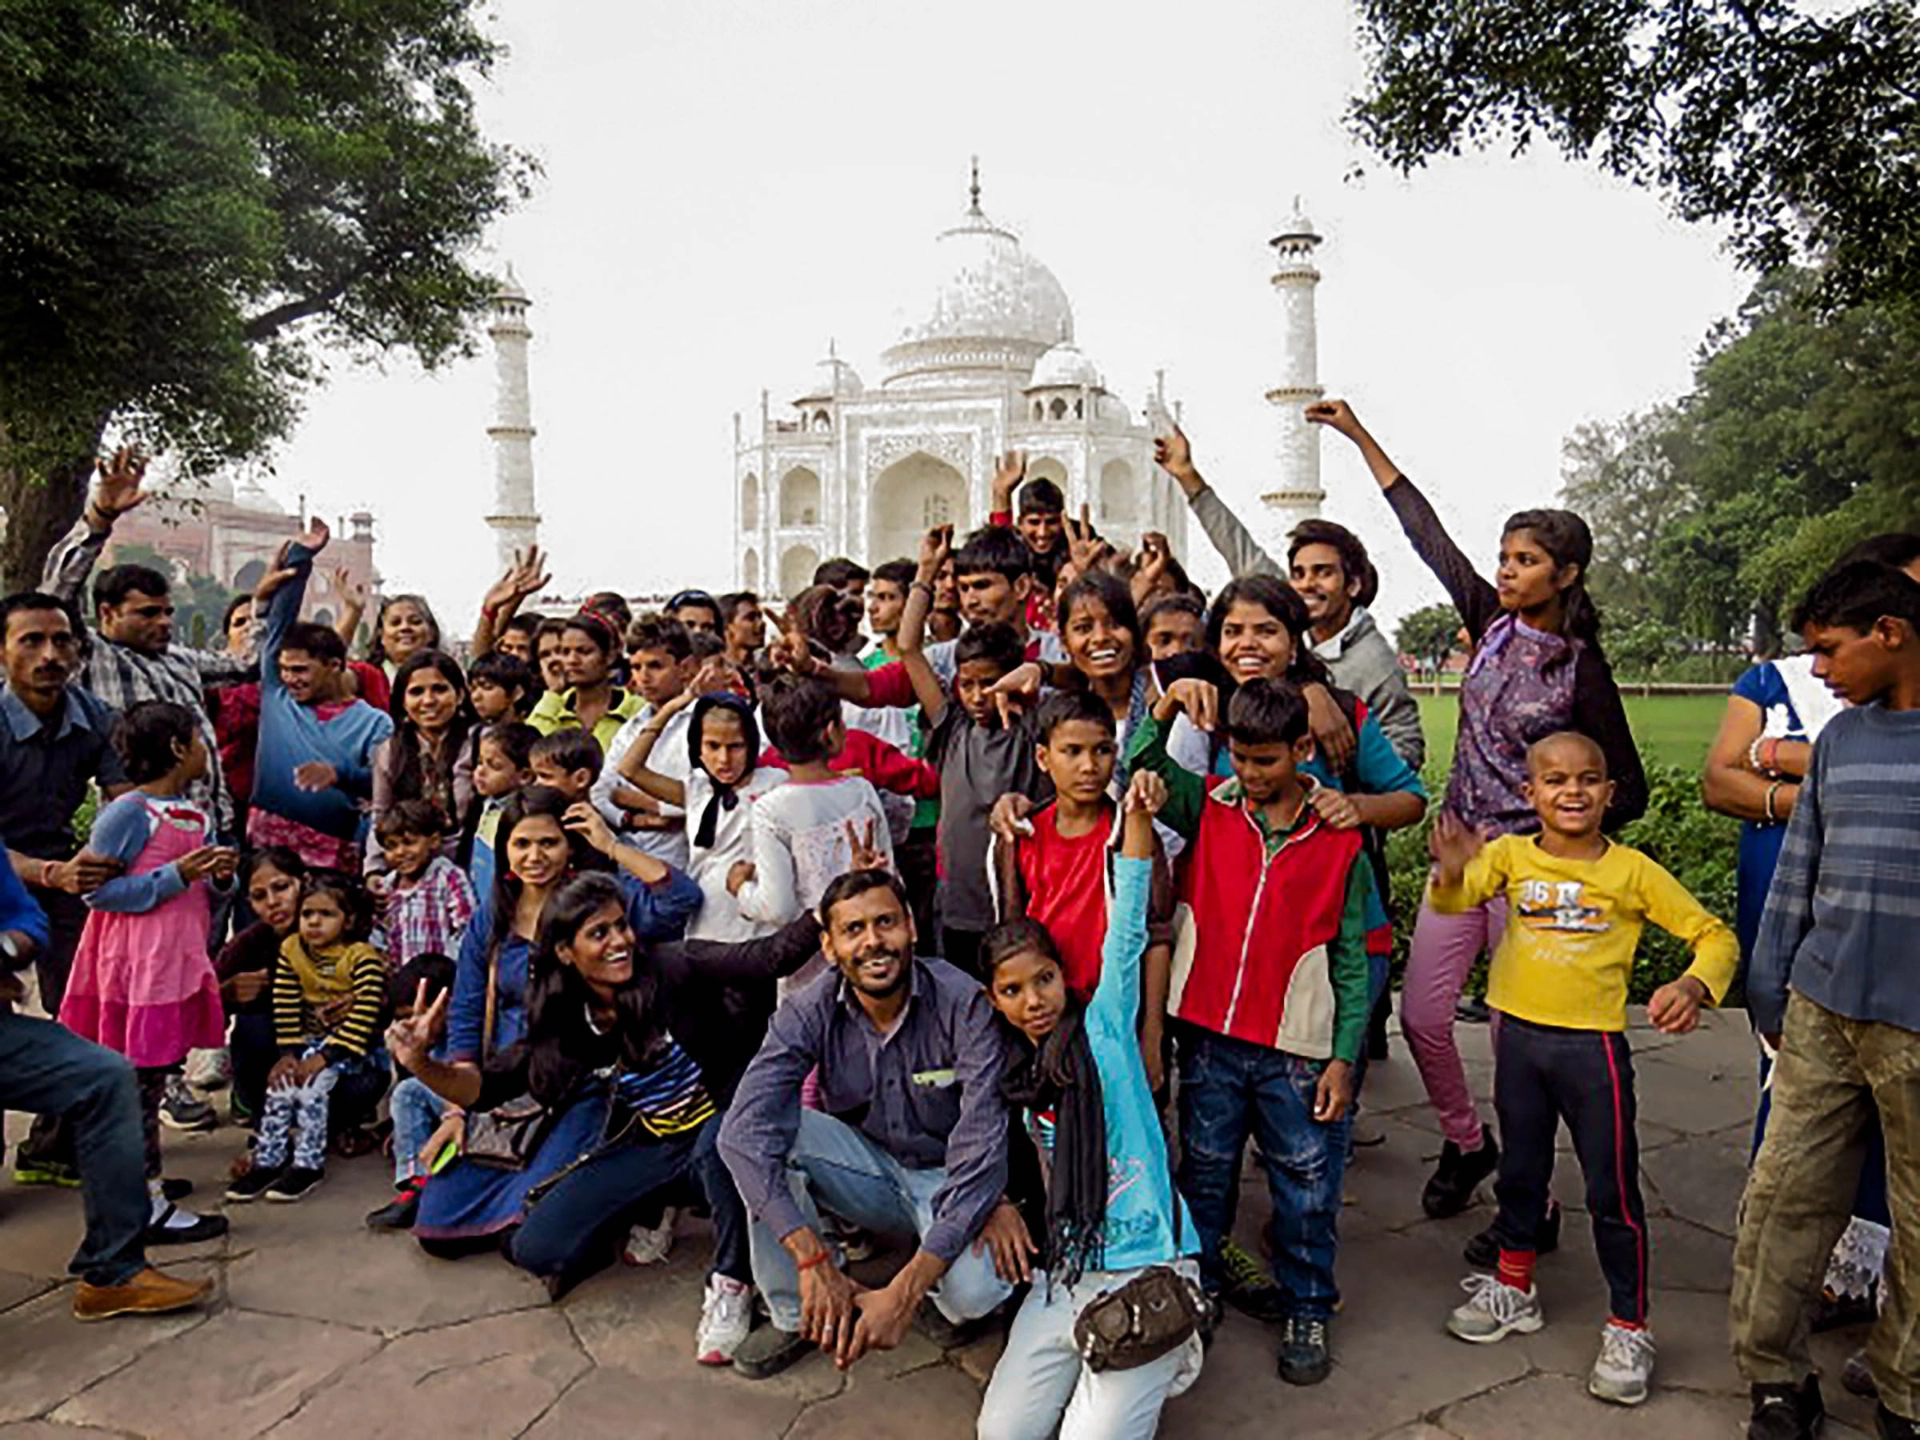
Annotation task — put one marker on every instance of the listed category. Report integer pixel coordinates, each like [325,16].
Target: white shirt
[669,757]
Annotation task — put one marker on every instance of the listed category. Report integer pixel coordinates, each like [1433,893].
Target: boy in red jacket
[1269,993]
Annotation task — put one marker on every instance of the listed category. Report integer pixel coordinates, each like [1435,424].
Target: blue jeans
[416,1114]
[47,1069]
[835,1167]
[1231,1089]
[569,1231]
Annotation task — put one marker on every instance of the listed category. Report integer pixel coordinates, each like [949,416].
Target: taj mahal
[983,361]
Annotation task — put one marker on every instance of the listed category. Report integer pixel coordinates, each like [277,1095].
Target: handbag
[1157,1311]
[507,1136]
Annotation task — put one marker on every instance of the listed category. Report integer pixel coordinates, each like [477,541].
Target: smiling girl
[1537,669]
[426,757]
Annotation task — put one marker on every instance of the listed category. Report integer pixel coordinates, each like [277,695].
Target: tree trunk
[39,511]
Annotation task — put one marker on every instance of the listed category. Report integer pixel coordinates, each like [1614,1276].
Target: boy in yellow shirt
[1558,984]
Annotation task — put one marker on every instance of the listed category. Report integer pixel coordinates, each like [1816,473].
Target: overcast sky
[727,187]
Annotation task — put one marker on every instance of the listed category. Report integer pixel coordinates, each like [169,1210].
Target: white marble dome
[982,303]
[1064,366]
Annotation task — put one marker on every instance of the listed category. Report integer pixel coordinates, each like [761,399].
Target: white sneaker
[209,1069]
[650,1247]
[726,1315]
[1624,1367]
[1494,1311]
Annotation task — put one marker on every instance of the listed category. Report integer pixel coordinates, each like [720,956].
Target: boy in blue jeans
[1269,992]
[423,1124]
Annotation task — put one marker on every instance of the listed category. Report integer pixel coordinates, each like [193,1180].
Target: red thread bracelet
[819,1257]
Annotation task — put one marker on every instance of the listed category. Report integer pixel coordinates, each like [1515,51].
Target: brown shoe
[151,1292]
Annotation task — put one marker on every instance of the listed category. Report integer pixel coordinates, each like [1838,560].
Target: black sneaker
[183,1227]
[1458,1175]
[768,1351]
[1483,1251]
[1894,1427]
[294,1184]
[181,1109]
[1787,1412]
[1472,1010]
[1249,1288]
[1304,1357]
[399,1212]
[176,1188]
[252,1185]
[1856,1377]
[1837,1312]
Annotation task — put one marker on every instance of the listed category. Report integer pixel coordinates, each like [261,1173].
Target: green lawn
[1671,729]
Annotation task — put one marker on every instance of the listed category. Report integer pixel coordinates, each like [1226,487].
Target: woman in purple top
[1537,668]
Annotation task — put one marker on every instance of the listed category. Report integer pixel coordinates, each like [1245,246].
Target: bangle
[819,1257]
[1773,791]
[918,584]
[1770,754]
[1753,754]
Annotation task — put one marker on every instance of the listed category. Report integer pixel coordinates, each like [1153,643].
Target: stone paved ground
[322,1329]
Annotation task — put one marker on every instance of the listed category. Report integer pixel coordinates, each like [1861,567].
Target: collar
[25,724]
[849,1001]
[1334,645]
[1232,792]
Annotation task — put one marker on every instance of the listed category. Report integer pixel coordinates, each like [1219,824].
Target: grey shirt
[928,1094]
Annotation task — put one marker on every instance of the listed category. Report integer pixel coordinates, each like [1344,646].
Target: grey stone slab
[1689,1330]
[16,1289]
[938,1403]
[47,1430]
[617,1402]
[380,1282]
[1560,1406]
[234,1376]
[488,1378]
[50,1356]
[1692,1098]
[40,1228]
[1686,1257]
[1702,1180]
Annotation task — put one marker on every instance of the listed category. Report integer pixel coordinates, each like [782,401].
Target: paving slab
[14,1288]
[938,1403]
[50,1356]
[615,1402]
[234,1376]
[488,1379]
[1701,1181]
[1560,1406]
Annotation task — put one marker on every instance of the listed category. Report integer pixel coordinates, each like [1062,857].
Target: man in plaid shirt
[133,656]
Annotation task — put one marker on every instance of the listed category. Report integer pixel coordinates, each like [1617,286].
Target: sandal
[352,1143]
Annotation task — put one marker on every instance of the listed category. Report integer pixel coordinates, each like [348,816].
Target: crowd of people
[991,902]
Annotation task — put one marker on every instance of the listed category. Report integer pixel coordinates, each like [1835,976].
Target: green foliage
[1798,439]
[1699,848]
[1429,634]
[1789,124]
[200,198]
[199,602]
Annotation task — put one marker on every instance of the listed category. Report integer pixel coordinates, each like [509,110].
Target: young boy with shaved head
[1559,985]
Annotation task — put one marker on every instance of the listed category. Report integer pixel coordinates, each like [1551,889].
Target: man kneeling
[910,1138]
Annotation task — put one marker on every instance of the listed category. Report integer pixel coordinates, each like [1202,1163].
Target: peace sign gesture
[1085,548]
[411,1039]
[867,855]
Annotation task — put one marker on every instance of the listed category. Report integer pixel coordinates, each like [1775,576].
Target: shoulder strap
[493,1000]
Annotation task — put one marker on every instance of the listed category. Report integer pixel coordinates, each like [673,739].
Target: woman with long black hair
[1537,668]
[427,757]
[638,1037]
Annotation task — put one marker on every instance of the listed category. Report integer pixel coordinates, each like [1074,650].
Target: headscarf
[1059,1074]
[723,796]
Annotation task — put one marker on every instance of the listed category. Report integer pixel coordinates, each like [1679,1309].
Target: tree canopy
[1791,122]
[1800,436]
[1429,634]
[199,199]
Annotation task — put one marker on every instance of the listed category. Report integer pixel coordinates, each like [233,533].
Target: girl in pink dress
[142,983]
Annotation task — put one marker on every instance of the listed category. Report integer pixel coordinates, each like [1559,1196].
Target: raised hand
[1085,548]
[1453,845]
[590,825]
[1150,570]
[716,675]
[1017,691]
[792,651]
[116,483]
[409,1040]
[1336,415]
[1174,453]
[1146,794]
[1008,818]
[935,546]
[526,577]
[315,536]
[867,855]
[1009,471]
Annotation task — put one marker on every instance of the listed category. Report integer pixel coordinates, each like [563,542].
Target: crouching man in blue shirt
[911,1136]
[47,1069]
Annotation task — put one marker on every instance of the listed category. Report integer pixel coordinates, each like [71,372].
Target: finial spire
[974,209]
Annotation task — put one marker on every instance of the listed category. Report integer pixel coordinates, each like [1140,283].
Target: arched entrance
[1119,496]
[796,570]
[909,498]
[799,498]
[750,570]
[750,503]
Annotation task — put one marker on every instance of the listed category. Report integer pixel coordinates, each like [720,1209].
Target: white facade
[983,363]
[515,519]
[1295,494]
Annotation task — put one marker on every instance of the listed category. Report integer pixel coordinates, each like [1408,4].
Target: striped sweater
[1840,915]
[305,984]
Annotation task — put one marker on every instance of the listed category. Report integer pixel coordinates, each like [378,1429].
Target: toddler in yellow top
[1558,985]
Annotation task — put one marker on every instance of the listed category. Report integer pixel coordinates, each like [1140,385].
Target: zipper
[1253,913]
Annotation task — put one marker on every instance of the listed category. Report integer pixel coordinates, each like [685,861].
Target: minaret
[515,522]
[1296,494]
